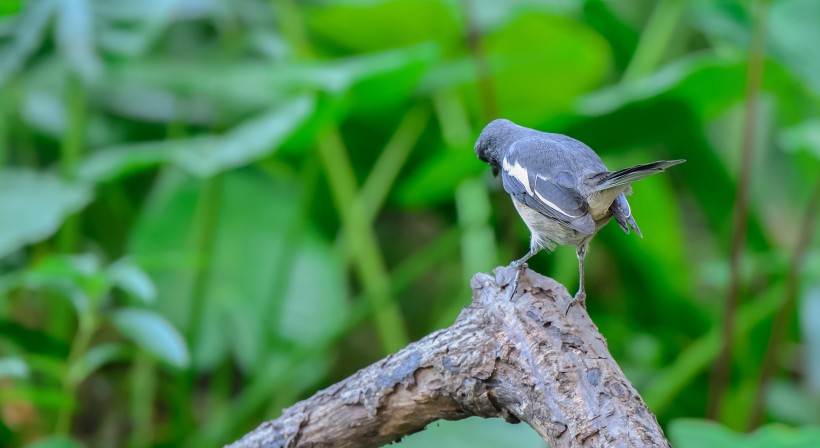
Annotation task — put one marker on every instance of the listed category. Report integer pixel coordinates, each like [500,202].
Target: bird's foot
[519,266]
[580,298]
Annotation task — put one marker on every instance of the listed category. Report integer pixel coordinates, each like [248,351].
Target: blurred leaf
[242,306]
[316,294]
[476,433]
[37,395]
[708,83]
[77,277]
[792,28]
[541,63]
[55,442]
[44,106]
[352,25]
[33,206]
[810,328]
[788,402]
[13,367]
[151,332]
[803,137]
[687,433]
[9,7]
[125,274]
[31,340]
[29,32]
[74,28]
[97,357]
[388,78]
[436,179]
[129,28]
[204,91]
[205,155]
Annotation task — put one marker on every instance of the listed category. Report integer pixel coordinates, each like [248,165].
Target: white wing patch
[550,204]
[519,172]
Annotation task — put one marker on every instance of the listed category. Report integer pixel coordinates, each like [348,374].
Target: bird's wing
[546,188]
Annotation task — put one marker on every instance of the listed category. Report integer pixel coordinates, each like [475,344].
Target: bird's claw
[580,297]
[519,266]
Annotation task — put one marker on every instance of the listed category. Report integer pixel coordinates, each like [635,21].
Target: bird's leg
[581,295]
[521,264]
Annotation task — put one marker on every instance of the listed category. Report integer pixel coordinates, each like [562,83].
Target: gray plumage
[560,187]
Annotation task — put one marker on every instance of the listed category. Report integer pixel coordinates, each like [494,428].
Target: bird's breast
[547,229]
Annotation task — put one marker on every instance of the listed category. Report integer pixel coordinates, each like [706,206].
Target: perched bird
[560,187]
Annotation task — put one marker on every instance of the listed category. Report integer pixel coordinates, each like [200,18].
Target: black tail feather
[633,174]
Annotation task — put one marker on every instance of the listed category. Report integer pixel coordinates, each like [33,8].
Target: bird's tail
[627,176]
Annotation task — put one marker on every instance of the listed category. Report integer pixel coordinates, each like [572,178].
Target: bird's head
[494,141]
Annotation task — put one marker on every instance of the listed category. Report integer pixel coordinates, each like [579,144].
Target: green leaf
[436,179]
[32,340]
[9,7]
[690,433]
[792,403]
[74,28]
[29,33]
[13,367]
[352,25]
[203,91]
[96,358]
[476,433]
[259,248]
[206,155]
[791,30]
[803,137]
[316,294]
[55,442]
[33,206]
[39,396]
[77,277]
[809,314]
[153,333]
[541,63]
[125,274]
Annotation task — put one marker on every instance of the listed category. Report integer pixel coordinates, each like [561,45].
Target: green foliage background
[211,209]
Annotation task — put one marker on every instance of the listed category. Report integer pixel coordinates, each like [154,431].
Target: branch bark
[520,360]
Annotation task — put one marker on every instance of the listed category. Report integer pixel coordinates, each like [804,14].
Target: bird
[560,187]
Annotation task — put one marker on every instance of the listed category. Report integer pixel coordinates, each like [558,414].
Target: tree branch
[520,360]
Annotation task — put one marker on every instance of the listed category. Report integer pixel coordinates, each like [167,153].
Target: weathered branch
[520,360]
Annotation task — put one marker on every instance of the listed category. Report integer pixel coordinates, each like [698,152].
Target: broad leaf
[13,367]
[257,250]
[97,357]
[153,333]
[126,275]
[55,442]
[33,206]
[689,433]
[206,155]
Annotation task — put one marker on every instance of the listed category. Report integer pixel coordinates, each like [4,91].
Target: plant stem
[475,43]
[4,130]
[786,309]
[71,153]
[367,257]
[654,39]
[143,391]
[754,74]
[79,345]
[373,193]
